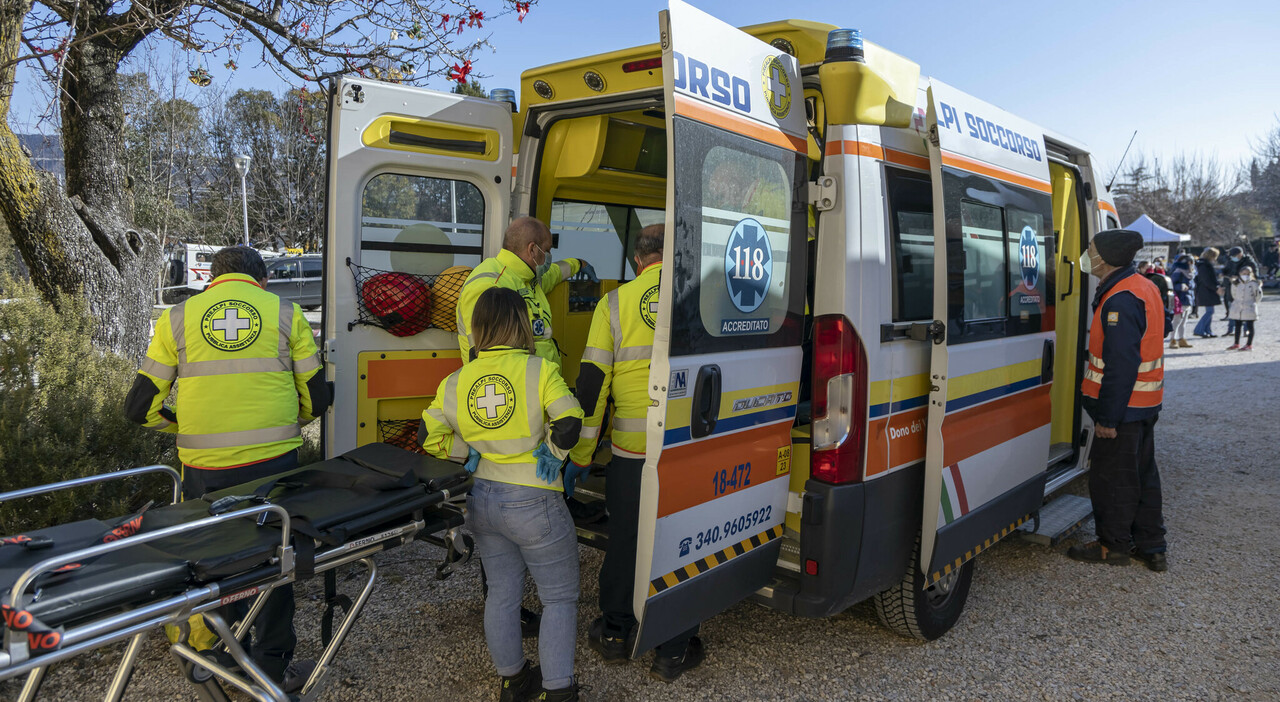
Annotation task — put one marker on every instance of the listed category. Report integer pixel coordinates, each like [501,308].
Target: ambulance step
[789,555]
[1058,520]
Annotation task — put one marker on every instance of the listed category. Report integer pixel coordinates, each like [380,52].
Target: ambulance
[871,328]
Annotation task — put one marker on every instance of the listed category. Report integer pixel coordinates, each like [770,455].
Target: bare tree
[84,238]
[1264,176]
[1188,194]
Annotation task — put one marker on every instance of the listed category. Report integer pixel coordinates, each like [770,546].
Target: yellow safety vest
[507,270]
[243,358]
[502,404]
[620,344]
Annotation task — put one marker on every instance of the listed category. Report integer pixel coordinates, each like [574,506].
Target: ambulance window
[1029,251]
[599,233]
[911,215]
[985,270]
[420,225]
[1112,223]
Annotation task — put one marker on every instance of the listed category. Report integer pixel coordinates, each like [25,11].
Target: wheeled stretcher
[76,587]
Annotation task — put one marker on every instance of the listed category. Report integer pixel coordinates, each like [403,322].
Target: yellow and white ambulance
[870,329]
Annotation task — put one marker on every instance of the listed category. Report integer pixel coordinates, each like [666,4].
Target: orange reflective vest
[1148,389]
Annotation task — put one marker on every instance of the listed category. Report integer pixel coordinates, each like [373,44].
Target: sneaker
[296,675]
[1182,344]
[530,623]
[669,668]
[1248,347]
[521,686]
[564,694]
[1155,561]
[1094,552]
[613,649]
[585,512]
[1233,347]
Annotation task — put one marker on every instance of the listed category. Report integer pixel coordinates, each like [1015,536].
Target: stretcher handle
[92,479]
[29,576]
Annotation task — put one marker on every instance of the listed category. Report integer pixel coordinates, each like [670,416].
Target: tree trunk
[81,241]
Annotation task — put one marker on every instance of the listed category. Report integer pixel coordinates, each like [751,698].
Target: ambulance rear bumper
[855,540]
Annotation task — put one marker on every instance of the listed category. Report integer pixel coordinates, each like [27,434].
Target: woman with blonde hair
[509,415]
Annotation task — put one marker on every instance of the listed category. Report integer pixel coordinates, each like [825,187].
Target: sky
[1191,77]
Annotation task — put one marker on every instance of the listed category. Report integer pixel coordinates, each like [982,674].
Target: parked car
[296,278]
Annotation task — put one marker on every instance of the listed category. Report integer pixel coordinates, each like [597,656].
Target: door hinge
[935,331]
[822,193]
[328,352]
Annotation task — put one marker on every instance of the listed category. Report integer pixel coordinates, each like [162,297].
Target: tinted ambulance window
[983,242]
[911,224]
[420,225]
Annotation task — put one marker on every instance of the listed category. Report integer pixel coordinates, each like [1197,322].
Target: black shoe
[1154,561]
[613,649]
[669,668]
[296,675]
[530,622]
[585,513]
[1094,552]
[522,685]
[564,694]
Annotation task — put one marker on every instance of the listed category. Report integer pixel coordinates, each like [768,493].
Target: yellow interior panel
[428,137]
[801,442]
[571,327]
[1066,223]
[394,388]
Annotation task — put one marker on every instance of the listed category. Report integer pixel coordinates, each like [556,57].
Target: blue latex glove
[548,465]
[588,270]
[572,474]
[473,461]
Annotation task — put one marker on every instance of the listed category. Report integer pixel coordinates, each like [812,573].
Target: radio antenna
[1122,157]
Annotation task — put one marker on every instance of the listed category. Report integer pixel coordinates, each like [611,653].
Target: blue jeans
[517,527]
[1205,325]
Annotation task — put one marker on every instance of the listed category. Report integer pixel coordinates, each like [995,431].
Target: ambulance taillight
[839,401]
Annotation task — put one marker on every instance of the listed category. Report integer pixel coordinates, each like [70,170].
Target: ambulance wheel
[911,609]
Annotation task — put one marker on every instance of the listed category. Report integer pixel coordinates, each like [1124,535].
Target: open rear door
[726,355]
[991,372]
[418,194]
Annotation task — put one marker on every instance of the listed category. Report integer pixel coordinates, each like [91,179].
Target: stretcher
[76,587]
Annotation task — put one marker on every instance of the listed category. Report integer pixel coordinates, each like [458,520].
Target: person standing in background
[1183,283]
[1207,291]
[1246,293]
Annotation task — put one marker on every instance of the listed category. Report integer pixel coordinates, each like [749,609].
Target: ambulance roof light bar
[506,95]
[845,45]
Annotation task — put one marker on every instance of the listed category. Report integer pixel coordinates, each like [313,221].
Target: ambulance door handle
[1071,278]
[706,402]
[1046,362]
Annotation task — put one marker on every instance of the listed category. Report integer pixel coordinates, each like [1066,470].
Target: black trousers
[1247,326]
[617,575]
[1124,486]
[274,636]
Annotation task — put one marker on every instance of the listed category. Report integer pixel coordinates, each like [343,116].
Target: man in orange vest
[1123,388]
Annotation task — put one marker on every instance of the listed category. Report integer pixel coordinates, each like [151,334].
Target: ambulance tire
[912,610]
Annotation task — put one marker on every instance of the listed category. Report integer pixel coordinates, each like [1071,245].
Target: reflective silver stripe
[615,322]
[177,326]
[532,399]
[507,447]
[1148,385]
[229,366]
[152,367]
[634,353]
[562,406]
[1091,374]
[437,415]
[286,328]
[459,448]
[479,276]
[566,269]
[517,473]
[590,432]
[306,365]
[1097,362]
[450,402]
[600,356]
[636,424]
[233,439]
[160,424]
[1151,365]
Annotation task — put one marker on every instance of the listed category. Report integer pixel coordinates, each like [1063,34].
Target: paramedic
[616,362]
[510,417]
[1123,389]
[524,265]
[250,378]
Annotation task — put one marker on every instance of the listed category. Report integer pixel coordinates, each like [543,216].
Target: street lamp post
[242,167]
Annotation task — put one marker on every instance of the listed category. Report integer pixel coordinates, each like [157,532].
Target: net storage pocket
[401,433]
[406,304]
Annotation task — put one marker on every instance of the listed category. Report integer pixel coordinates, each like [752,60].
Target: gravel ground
[1037,625]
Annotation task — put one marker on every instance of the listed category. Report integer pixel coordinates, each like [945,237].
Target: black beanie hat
[1118,246]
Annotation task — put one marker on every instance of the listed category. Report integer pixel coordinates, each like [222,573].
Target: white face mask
[1086,263]
[1246,276]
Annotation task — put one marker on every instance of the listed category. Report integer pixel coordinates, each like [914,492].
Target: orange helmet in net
[401,302]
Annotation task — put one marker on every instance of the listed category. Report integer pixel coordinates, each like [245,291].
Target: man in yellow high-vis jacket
[250,377]
[524,264]
[616,362]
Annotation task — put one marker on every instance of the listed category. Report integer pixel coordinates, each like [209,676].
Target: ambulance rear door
[418,194]
[726,358]
[991,367]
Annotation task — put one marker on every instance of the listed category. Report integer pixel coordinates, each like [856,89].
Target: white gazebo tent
[1157,240]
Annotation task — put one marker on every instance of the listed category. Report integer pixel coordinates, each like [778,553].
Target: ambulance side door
[417,192]
[991,372]
[726,359]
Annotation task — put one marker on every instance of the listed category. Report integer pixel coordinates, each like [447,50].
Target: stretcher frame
[204,600]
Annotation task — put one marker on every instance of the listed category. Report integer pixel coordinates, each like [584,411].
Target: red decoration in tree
[522,9]
[444,22]
[460,73]
[462,22]
[477,16]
